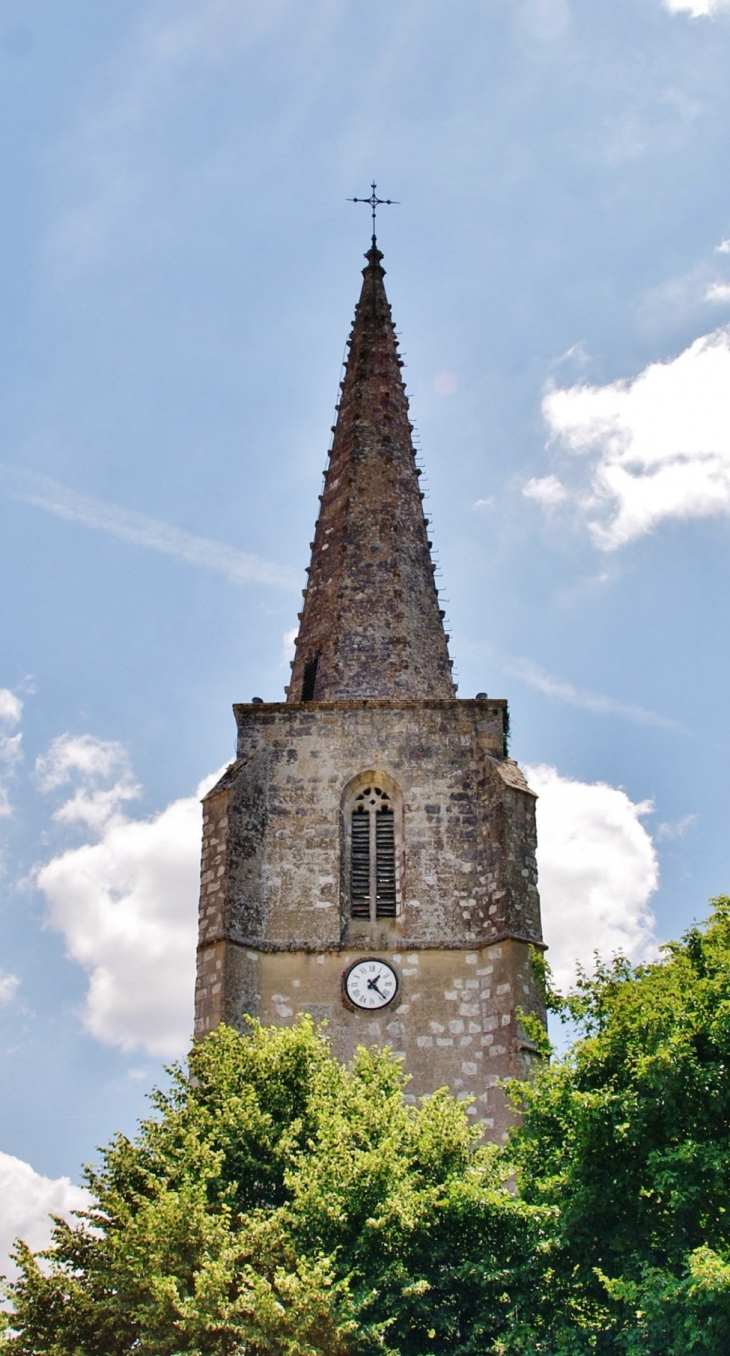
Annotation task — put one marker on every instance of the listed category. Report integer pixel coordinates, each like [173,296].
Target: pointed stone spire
[371,626]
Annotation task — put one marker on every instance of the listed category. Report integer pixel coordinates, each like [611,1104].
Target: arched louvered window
[309,680]
[373,871]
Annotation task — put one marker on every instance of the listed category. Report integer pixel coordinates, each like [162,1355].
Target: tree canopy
[628,1139]
[277,1202]
[281,1203]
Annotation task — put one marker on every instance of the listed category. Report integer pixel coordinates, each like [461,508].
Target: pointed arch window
[373,858]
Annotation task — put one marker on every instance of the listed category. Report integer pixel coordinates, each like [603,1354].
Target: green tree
[628,1140]
[279,1202]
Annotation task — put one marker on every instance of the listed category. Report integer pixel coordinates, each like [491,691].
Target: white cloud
[82,754]
[98,807]
[127,908]
[545,490]
[718,292]
[11,752]
[9,985]
[658,446]
[723,247]
[288,648]
[597,868]
[536,677]
[240,567]
[698,9]
[87,760]
[11,707]
[28,1200]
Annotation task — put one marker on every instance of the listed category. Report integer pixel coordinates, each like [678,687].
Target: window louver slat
[360,866]
[373,866]
[385,863]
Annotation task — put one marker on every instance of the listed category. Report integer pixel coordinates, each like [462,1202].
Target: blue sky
[178,273]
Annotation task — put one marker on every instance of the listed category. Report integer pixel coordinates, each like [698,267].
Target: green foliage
[281,1203]
[629,1139]
[505,730]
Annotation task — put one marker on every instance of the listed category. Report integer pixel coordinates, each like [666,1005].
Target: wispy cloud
[9,985]
[697,9]
[11,752]
[240,567]
[676,829]
[107,164]
[536,677]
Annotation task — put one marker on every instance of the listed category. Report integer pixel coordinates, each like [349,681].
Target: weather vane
[375,202]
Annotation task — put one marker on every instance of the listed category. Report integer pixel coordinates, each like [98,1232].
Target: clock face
[371,984]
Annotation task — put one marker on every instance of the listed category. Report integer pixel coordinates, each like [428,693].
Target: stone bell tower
[370,855]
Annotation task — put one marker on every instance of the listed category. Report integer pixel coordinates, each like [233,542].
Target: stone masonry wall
[274,860]
[275,932]
[453,1020]
[468,822]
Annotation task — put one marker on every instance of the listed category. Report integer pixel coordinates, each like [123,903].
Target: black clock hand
[373,984]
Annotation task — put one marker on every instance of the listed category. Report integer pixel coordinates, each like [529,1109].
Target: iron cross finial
[375,202]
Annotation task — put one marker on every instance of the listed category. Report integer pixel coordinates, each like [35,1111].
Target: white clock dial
[371,984]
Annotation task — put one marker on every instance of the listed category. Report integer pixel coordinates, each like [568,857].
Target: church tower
[369,857]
